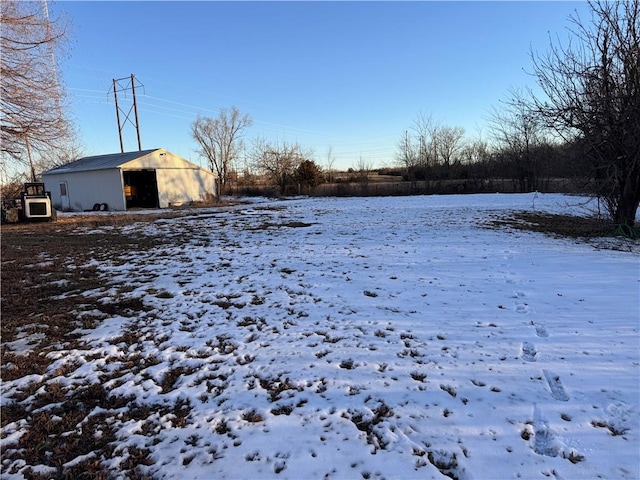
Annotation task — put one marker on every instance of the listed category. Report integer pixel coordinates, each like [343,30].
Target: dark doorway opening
[140,188]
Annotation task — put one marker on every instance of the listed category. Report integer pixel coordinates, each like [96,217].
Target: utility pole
[119,86]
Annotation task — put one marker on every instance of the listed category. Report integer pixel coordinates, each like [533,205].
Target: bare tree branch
[592,97]
[279,161]
[220,140]
[32,101]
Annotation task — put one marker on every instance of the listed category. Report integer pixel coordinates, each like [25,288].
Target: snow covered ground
[371,338]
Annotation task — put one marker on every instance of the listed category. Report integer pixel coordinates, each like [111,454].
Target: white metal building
[120,181]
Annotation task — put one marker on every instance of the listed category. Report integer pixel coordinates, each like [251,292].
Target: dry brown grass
[562,225]
[45,272]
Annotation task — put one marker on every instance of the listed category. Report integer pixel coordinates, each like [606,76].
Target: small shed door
[64,196]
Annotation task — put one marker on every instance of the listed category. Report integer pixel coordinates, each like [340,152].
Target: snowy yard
[358,338]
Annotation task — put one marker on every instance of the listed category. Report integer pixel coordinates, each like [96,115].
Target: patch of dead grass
[559,225]
[47,269]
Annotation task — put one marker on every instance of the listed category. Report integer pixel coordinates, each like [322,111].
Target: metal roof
[100,162]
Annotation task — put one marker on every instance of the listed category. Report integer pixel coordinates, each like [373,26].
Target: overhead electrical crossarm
[123,85]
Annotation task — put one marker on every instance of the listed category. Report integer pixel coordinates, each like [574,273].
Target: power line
[156,105]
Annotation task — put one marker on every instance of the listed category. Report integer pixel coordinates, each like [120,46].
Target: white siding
[160,158]
[88,188]
[183,185]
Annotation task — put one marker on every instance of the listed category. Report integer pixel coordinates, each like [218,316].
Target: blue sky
[352,76]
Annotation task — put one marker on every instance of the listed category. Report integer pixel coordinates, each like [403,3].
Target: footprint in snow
[541,330]
[545,441]
[529,352]
[555,386]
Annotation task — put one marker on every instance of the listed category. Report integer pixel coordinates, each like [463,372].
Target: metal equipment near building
[34,204]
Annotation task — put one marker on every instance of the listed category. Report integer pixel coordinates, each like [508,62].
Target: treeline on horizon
[544,168]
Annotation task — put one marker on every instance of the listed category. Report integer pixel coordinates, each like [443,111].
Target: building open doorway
[140,188]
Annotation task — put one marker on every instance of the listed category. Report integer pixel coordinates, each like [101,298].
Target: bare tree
[475,151]
[278,161]
[518,132]
[417,149]
[408,157]
[425,131]
[448,141]
[426,146]
[66,153]
[592,95]
[329,171]
[33,102]
[363,168]
[220,140]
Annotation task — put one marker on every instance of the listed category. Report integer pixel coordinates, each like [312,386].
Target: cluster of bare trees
[285,164]
[519,135]
[220,141]
[34,127]
[429,144]
[589,112]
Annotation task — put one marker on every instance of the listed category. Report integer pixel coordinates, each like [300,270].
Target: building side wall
[85,189]
[184,185]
